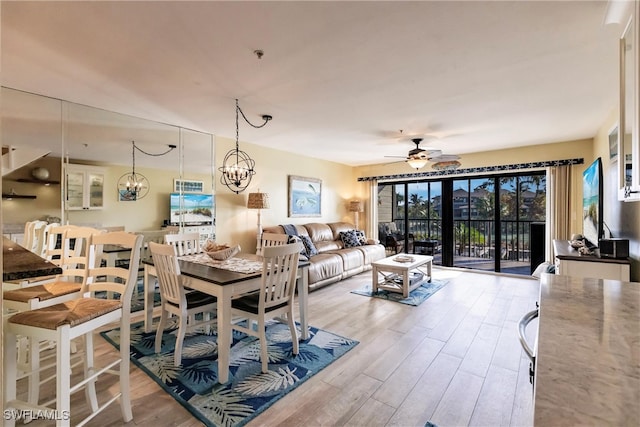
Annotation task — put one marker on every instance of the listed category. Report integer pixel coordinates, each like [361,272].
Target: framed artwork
[613,143]
[305,197]
[126,196]
[187,186]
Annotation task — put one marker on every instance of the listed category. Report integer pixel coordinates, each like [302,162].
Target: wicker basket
[222,254]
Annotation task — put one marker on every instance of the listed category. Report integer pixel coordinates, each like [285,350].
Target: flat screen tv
[192,208]
[592,208]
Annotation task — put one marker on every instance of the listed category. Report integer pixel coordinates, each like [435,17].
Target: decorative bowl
[222,254]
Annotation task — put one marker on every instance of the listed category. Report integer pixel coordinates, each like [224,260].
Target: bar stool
[80,317]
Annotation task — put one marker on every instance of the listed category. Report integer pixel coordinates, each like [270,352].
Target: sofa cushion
[361,237]
[324,266]
[350,239]
[309,246]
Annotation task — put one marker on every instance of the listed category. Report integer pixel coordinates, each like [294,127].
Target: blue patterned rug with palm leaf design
[248,392]
[416,296]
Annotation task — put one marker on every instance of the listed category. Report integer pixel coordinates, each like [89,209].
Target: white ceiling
[340,78]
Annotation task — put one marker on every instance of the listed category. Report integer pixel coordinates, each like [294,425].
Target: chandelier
[132,185]
[237,167]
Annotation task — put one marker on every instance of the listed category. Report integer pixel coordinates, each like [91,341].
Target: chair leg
[125,388]
[163,322]
[33,364]
[264,353]
[63,376]
[294,332]
[182,329]
[90,388]
[10,369]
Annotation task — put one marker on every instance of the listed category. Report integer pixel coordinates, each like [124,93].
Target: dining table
[19,263]
[225,285]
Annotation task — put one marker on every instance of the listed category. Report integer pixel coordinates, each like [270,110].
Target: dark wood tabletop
[20,263]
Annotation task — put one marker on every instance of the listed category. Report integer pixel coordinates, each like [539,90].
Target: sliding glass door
[473,222]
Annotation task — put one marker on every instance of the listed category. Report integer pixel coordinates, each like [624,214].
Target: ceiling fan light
[417,163]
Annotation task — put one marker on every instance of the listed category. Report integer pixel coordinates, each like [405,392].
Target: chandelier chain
[266,118]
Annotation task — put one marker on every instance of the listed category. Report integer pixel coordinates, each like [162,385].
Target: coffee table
[394,273]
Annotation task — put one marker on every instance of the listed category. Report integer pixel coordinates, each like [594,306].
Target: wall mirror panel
[628,143]
[95,148]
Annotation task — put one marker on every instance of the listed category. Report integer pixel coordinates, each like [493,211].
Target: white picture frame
[188,186]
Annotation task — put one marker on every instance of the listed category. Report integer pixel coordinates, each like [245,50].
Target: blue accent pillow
[349,239]
[303,252]
[361,237]
[308,244]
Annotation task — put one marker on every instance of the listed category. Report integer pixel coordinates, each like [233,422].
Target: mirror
[62,133]
[628,146]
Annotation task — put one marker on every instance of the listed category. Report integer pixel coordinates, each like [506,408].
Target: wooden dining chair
[176,300]
[33,234]
[80,317]
[184,243]
[273,239]
[276,297]
[63,288]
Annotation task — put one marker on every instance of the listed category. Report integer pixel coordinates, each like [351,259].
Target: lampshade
[417,163]
[355,206]
[258,201]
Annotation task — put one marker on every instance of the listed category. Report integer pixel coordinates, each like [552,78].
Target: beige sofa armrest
[373,241]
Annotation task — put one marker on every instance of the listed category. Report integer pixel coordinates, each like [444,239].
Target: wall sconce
[237,167]
[356,207]
[258,201]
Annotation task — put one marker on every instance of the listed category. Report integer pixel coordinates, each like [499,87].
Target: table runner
[238,265]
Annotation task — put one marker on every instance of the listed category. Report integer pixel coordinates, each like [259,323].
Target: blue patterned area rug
[416,296]
[248,392]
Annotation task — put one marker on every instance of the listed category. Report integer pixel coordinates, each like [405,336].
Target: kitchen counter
[19,263]
[588,352]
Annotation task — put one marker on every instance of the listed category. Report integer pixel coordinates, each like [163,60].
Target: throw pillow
[349,239]
[361,237]
[303,252]
[308,244]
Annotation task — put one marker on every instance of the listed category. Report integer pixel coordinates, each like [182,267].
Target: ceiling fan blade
[445,158]
[397,157]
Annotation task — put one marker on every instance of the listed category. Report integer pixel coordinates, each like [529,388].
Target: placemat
[238,265]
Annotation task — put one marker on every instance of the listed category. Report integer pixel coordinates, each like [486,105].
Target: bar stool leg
[10,374]
[125,388]
[63,376]
[89,364]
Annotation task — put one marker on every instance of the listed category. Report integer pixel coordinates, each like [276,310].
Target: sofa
[333,261]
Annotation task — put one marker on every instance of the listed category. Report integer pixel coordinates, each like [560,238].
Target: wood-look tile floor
[455,360]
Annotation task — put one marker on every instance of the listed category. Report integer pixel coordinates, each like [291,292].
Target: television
[592,207]
[191,208]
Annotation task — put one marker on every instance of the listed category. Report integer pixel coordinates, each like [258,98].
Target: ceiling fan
[419,157]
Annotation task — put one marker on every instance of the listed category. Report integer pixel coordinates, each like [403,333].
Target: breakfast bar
[588,352]
[19,263]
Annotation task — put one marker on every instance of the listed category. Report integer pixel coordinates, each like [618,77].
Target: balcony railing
[476,238]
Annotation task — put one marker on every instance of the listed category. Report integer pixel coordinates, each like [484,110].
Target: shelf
[17,196]
[38,181]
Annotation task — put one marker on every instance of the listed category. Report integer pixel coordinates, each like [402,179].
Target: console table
[570,263]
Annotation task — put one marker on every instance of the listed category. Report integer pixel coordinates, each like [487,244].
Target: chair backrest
[184,243]
[168,273]
[274,239]
[279,271]
[44,240]
[74,260]
[33,235]
[119,280]
[156,236]
[54,245]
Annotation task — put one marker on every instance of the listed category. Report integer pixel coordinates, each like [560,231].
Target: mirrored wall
[44,137]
